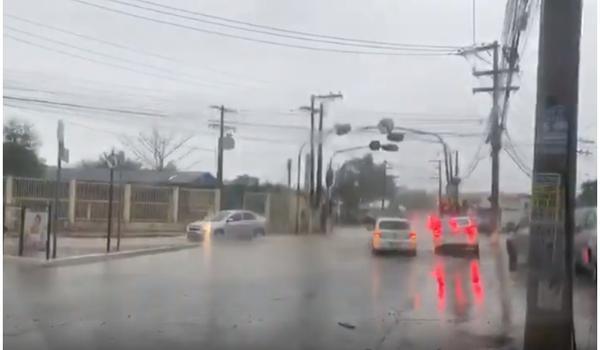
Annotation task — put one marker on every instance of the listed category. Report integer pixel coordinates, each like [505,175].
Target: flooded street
[292,292]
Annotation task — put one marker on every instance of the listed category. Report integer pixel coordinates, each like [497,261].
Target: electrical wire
[276,29]
[93,60]
[250,39]
[112,57]
[523,170]
[414,47]
[120,46]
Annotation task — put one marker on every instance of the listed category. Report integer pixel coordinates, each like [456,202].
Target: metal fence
[256,202]
[195,204]
[150,203]
[37,193]
[91,201]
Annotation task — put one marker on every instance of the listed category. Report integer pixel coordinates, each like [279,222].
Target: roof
[390,218]
[144,176]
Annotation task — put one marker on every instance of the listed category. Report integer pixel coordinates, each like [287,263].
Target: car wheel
[437,250]
[258,232]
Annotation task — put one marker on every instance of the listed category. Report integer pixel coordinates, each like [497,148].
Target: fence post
[175,204]
[72,199]
[217,203]
[268,210]
[22,231]
[8,190]
[127,203]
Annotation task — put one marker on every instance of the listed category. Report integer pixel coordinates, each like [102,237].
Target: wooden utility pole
[549,317]
[222,111]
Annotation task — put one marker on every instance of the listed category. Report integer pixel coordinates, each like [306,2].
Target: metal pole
[312,149]
[320,157]
[496,145]
[120,211]
[549,315]
[22,231]
[299,161]
[384,185]
[220,155]
[439,187]
[110,201]
[48,231]
[56,204]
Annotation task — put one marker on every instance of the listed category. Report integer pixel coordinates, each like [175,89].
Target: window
[236,217]
[249,216]
[393,225]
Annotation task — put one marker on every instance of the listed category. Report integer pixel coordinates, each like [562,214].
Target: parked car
[227,223]
[584,242]
[393,234]
[454,232]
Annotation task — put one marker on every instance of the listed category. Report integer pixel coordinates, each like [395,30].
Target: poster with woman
[36,224]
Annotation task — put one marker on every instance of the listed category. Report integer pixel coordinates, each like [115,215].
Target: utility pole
[495,136]
[312,150]
[549,315]
[320,158]
[439,178]
[63,154]
[289,172]
[222,110]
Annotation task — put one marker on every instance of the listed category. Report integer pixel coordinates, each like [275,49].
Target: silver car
[584,242]
[227,223]
[393,234]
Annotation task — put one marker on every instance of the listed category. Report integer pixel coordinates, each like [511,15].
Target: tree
[158,151]
[20,150]
[587,197]
[361,180]
[122,162]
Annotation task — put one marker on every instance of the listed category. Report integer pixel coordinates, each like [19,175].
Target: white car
[454,232]
[393,234]
[227,223]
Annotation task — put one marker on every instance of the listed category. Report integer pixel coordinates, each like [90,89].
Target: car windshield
[220,216]
[344,174]
[393,225]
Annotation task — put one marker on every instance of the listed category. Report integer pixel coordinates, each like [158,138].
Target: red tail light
[412,235]
[376,234]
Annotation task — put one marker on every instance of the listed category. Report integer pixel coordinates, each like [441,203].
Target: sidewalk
[76,246]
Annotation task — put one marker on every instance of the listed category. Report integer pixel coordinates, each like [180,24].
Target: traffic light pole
[549,316]
[319,159]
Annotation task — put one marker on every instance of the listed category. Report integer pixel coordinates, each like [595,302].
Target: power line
[276,29]
[74,105]
[101,54]
[117,45]
[520,166]
[278,33]
[269,42]
[84,58]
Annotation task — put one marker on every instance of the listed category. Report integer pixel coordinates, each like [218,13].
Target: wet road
[282,292]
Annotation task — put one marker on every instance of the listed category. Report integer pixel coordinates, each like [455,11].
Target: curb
[91,258]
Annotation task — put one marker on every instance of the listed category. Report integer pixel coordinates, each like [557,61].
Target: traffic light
[390,147]
[395,137]
[375,145]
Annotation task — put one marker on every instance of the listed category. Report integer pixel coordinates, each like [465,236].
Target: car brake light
[412,235]
[377,234]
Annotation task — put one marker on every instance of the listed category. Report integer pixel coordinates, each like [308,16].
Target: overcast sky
[264,82]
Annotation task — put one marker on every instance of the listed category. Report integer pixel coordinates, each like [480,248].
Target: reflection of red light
[585,256]
[440,278]
[458,290]
[476,282]
[417,301]
[434,224]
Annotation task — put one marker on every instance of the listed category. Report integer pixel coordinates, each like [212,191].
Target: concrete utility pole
[439,178]
[320,158]
[495,136]
[312,149]
[63,155]
[222,110]
[549,317]
[289,172]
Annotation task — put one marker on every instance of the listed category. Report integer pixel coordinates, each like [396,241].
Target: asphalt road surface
[277,292]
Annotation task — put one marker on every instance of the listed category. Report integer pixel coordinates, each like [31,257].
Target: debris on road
[346,325]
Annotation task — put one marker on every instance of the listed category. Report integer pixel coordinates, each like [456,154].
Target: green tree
[20,150]
[587,197]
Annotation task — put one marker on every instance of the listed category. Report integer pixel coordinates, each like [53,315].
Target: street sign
[64,153]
